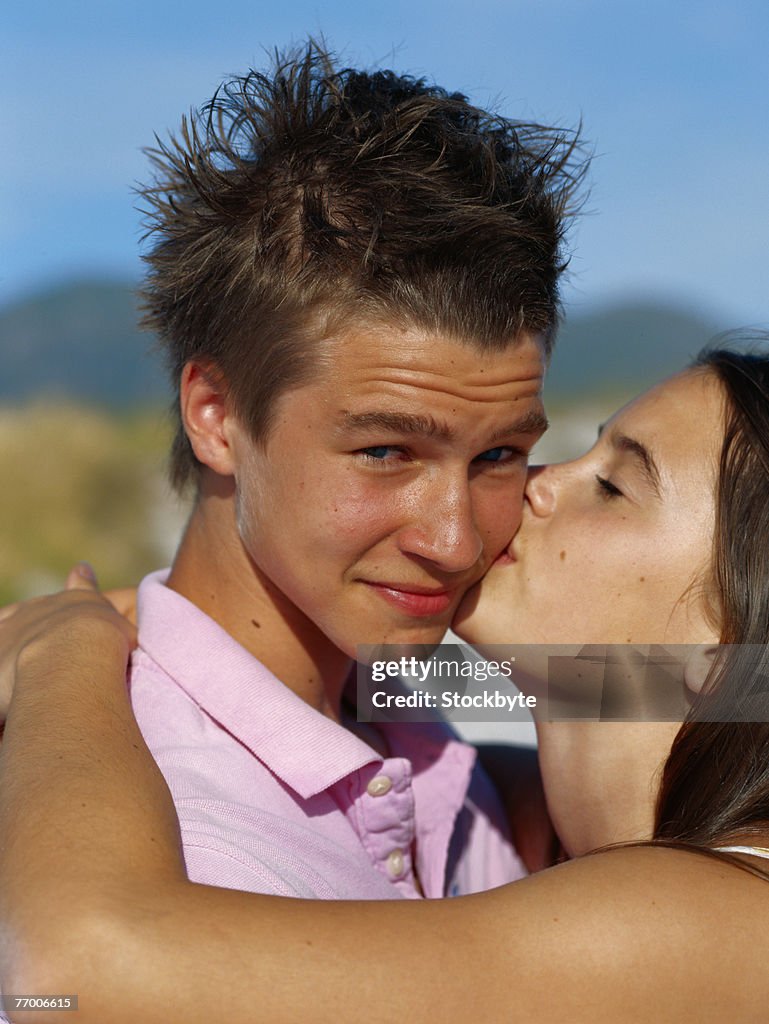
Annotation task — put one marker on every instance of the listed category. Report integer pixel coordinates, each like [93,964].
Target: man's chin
[399,643]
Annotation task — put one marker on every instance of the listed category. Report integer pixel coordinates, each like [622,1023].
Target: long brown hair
[715,785]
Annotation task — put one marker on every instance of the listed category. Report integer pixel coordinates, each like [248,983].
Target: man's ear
[698,665]
[205,414]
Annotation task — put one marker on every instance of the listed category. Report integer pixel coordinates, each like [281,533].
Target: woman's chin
[476,620]
[467,617]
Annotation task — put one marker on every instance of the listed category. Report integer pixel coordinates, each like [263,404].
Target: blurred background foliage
[82,483]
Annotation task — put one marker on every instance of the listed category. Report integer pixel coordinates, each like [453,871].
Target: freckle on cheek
[563,556]
[641,579]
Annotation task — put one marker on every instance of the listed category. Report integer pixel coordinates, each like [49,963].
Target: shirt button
[379,785]
[395,863]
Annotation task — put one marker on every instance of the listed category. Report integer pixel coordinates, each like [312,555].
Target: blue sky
[674,97]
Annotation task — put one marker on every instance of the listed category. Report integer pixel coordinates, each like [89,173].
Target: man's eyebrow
[533,422]
[397,423]
[643,455]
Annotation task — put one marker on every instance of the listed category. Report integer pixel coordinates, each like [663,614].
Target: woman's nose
[540,490]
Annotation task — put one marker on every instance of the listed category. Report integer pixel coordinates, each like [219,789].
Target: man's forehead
[374,349]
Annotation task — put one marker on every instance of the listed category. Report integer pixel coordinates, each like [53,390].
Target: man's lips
[414,599]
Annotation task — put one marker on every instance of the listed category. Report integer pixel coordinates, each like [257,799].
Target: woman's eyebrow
[645,459]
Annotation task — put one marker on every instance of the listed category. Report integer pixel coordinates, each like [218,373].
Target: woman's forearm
[84,809]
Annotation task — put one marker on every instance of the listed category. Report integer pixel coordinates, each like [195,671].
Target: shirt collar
[305,749]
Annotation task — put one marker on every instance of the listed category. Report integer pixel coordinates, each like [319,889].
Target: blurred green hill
[624,348]
[81,341]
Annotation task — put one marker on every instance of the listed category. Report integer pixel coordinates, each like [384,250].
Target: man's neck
[213,570]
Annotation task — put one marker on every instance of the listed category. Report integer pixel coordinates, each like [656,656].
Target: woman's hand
[41,630]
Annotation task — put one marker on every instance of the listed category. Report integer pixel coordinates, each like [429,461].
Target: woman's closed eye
[606,488]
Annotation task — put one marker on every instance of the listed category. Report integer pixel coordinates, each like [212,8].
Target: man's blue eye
[380,451]
[495,454]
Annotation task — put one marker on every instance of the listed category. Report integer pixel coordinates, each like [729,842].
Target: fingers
[8,611]
[81,577]
[123,600]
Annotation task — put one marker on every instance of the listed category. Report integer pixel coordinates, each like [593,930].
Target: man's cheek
[503,517]
[360,520]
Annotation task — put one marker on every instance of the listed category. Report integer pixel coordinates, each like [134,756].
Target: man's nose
[443,529]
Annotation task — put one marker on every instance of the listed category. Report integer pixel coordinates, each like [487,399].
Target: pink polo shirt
[274,797]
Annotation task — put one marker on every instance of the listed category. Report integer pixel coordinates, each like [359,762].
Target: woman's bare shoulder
[634,934]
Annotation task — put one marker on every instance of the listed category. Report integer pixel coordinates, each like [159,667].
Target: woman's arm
[76,780]
[95,902]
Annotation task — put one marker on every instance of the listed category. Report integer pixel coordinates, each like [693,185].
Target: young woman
[658,535]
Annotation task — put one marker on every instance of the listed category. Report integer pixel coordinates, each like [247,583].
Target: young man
[355,280]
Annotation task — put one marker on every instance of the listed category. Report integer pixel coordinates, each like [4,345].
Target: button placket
[387,815]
